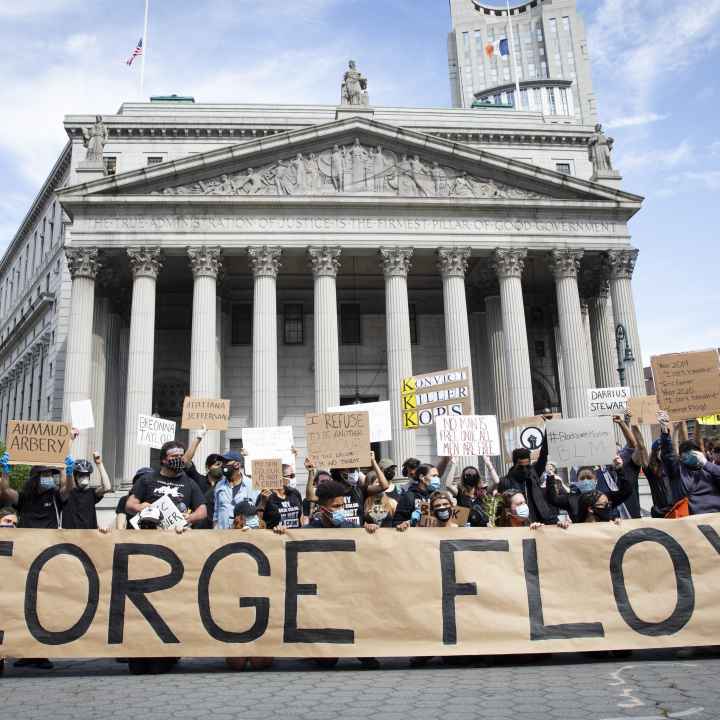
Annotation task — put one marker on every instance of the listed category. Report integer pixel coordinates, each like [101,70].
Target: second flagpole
[144,53]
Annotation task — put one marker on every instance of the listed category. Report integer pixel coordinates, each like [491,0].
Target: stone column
[27,370]
[123,350]
[564,265]
[562,387]
[396,265]
[82,263]
[145,263]
[602,338]
[509,265]
[619,265]
[265,264]
[3,408]
[205,264]
[498,367]
[325,262]
[589,359]
[112,427]
[38,351]
[99,374]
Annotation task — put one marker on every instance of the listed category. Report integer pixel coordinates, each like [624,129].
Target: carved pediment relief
[352,169]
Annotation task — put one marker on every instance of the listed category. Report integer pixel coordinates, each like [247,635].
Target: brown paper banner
[317,593]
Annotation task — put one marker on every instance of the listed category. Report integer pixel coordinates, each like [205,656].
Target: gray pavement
[644,686]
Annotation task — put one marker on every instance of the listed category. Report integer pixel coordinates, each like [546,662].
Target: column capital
[509,263]
[396,261]
[205,261]
[620,263]
[145,261]
[82,262]
[565,263]
[324,261]
[453,261]
[264,260]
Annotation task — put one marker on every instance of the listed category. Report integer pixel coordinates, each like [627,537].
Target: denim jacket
[225,503]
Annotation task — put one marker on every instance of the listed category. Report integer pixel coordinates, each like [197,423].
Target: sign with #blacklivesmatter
[467,435]
[581,441]
[213,414]
[687,384]
[37,442]
[338,440]
[608,401]
[425,397]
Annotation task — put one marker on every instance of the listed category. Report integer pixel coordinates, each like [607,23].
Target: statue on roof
[94,140]
[599,148]
[354,87]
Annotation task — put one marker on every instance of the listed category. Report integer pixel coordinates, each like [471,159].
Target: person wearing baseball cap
[231,490]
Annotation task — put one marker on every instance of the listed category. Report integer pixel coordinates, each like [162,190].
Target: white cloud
[633,120]
[658,157]
[709,179]
[33,8]
[80,43]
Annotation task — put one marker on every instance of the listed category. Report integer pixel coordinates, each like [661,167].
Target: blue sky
[654,71]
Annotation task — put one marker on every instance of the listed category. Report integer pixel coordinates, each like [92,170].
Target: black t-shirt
[279,511]
[355,505]
[182,490]
[79,510]
[121,509]
[41,511]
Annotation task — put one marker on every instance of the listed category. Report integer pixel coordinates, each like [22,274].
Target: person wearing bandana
[172,481]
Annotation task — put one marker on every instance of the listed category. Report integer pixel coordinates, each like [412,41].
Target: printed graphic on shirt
[289,515]
[352,510]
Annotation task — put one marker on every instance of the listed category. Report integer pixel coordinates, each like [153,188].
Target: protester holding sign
[41,500]
[471,494]
[172,481]
[283,506]
[441,510]
[206,483]
[79,509]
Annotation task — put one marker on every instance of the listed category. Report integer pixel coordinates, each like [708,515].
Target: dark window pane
[293,324]
[110,165]
[241,332]
[540,348]
[154,159]
[350,330]
[413,324]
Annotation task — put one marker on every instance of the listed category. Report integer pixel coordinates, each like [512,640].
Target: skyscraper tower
[547,40]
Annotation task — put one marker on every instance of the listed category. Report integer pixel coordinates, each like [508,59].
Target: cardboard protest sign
[643,410]
[213,414]
[425,397]
[608,401]
[266,443]
[154,432]
[38,442]
[709,420]
[170,515]
[687,384]
[581,441]
[81,415]
[524,432]
[466,435]
[646,584]
[267,474]
[379,412]
[338,440]
[460,515]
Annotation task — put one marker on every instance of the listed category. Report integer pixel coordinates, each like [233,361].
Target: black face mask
[471,480]
[603,514]
[390,474]
[523,471]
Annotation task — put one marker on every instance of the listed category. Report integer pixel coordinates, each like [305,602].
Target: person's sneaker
[370,663]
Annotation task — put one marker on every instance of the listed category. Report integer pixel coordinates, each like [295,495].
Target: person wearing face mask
[524,477]
[282,507]
[471,492]
[315,477]
[232,489]
[41,500]
[689,473]
[441,510]
[414,502]
[170,480]
[206,483]
[79,509]
[585,502]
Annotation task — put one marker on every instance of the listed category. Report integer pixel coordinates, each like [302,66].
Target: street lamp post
[624,351]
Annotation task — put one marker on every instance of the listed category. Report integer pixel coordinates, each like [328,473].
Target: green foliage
[492,505]
[18,474]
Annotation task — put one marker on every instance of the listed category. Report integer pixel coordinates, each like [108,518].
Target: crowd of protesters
[683,475]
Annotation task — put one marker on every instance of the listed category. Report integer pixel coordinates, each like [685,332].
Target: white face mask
[353,476]
[84,481]
[291,482]
[523,511]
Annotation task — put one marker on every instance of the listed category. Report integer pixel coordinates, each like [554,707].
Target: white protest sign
[268,443]
[466,435]
[581,441]
[608,401]
[81,415]
[170,515]
[154,432]
[379,413]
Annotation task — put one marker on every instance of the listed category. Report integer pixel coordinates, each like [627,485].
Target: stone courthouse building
[292,258]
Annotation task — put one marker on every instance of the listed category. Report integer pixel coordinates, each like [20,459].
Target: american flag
[137,51]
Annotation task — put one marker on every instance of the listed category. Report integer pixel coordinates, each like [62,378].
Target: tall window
[564,107]
[413,324]
[551,101]
[563,167]
[241,324]
[350,324]
[110,165]
[293,325]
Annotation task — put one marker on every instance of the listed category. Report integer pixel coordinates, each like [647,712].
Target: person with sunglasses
[283,506]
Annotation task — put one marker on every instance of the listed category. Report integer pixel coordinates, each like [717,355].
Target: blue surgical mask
[586,485]
[689,460]
[47,482]
[523,511]
[252,522]
[434,484]
[337,518]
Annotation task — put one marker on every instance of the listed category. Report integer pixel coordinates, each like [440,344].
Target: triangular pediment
[346,158]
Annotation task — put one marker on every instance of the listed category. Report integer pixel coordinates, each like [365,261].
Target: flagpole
[514,58]
[144,53]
